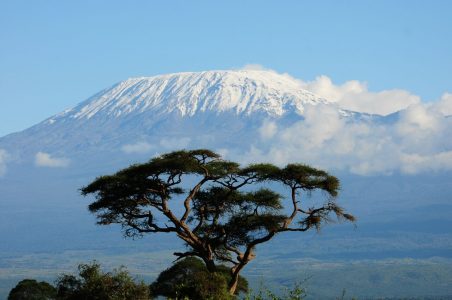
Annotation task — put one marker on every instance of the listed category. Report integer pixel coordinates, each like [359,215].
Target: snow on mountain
[241,91]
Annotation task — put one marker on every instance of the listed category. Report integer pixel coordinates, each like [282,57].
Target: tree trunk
[235,271]
[210,265]
[243,259]
[233,284]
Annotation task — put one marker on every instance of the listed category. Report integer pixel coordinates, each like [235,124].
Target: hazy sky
[55,54]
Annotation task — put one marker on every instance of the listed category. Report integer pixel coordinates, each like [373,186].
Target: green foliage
[189,278]
[308,178]
[238,214]
[30,289]
[92,284]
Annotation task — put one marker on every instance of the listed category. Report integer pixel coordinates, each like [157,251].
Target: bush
[92,284]
[30,289]
[189,278]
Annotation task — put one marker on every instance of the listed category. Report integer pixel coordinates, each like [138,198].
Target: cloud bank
[417,141]
[43,159]
[415,138]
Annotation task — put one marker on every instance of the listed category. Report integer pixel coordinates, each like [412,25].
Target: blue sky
[54,54]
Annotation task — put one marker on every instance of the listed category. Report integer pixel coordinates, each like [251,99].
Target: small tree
[30,289]
[220,222]
[91,283]
[189,278]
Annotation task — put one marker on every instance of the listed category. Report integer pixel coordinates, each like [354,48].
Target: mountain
[168,111]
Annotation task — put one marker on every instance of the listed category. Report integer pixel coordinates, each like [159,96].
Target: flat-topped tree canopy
[219,220]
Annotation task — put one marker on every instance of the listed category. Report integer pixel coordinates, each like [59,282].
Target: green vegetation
[30,289]
[89,284]
[190,278]
[220,221]
[382,279]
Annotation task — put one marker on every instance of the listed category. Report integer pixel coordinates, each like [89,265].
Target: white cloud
[416,163]
[444,105]
[3,159]
[139,147]
[419,141]
[256,67]
[268,129]
[419,123]
[43,159]
[354,95]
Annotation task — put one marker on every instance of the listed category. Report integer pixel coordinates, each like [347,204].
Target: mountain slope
[206,108]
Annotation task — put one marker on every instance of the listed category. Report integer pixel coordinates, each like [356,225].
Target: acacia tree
[218,220]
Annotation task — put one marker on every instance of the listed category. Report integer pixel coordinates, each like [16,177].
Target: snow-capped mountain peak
[240,91]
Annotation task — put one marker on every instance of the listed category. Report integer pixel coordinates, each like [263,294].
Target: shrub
[30,289]
[92,284]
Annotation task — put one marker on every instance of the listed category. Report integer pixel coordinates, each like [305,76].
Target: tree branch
[190,198]
[295,209]
[181,255]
